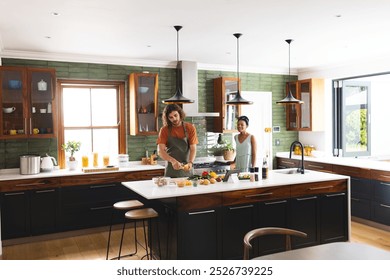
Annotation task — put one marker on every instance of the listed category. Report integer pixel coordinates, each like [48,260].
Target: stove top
[206,164]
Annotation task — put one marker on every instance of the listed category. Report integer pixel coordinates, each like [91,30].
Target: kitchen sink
[289,171]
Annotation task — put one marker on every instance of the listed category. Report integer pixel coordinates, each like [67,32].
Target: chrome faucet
[300,169]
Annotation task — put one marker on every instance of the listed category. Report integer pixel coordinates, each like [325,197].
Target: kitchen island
[209,221]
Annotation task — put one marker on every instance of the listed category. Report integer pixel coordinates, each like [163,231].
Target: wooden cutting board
[99,169]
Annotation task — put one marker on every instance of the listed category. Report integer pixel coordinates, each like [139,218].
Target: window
[92,113]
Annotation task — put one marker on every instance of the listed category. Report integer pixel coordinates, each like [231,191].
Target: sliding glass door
[354,118]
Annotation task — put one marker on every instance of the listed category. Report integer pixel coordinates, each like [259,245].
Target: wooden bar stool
[144,214]
[123,206]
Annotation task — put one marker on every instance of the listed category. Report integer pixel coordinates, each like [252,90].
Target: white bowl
[143,89]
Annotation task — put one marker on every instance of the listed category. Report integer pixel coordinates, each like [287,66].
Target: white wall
[260,117]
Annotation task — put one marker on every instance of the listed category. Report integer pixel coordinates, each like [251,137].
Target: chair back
[270,231]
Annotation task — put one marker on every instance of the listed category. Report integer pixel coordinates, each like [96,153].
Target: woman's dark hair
[169,109]
[243,118]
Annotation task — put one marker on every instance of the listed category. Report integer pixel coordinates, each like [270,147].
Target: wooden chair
[270,231]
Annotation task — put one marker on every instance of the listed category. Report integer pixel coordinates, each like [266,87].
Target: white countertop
[360,162]
[149,190]
[14,174]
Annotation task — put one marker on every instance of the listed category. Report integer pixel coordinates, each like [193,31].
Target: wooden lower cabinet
[333,217]
[361,196]
[304,216]
[15,219]
[271,214]
[380,207]
[47,205]
[27,213]
[91,205]
[44,211]
[237,220]
[198,234]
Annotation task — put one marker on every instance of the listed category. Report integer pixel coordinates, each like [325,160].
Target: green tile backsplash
[10,150]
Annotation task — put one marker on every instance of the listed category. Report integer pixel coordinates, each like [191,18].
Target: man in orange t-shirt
[177,142]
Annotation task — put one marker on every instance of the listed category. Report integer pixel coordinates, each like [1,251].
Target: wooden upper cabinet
[225,89]
[143,103]
[308,116]
[28,102]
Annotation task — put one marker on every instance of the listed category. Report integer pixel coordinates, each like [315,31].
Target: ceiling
[128,32]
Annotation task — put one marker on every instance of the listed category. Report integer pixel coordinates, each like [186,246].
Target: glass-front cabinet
[143,103]
[27,98]
[308,116]
[225,89]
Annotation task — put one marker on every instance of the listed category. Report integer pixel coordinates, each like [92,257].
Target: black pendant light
[289,99]
[238,100]
[178,97]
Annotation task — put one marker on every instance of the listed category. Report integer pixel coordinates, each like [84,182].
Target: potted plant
[72,147]
[228,152]
[224,149]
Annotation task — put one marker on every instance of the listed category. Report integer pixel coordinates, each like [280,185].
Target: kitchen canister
[123,160]
[30,164]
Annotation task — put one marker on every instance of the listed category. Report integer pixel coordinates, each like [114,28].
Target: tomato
[205,173]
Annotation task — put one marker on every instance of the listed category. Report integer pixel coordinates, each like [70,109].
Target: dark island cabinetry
[212,226]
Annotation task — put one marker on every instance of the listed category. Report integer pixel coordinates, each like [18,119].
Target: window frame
[119,85]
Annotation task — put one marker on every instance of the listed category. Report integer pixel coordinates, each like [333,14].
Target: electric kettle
[47,163]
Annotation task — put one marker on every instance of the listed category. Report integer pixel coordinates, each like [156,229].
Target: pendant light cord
[177,45]
[177,27]
[238,62]
[238,35]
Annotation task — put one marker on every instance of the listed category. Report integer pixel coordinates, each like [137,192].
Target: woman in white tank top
[245,146]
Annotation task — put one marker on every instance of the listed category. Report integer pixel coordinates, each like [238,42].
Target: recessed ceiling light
[338,16]
[228,53]
[149,46]
[48,37]
[55,14]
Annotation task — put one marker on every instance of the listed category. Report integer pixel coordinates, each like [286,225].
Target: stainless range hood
[189,87]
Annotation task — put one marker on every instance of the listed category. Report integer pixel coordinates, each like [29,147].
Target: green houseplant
[228,152]
[225,149]
[71,147]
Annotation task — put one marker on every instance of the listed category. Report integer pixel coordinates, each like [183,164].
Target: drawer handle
[102,186]
[315,166]
[384,205]
[258,194]
[306,198]
[201,212]
[241,207]
[45,191]
[30,184]
[350,171]
[386,184]
[287,162]
[100,208]
[276,202]
[335,194]
[18,193]
[105,178]
[320,188]
[355,199]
